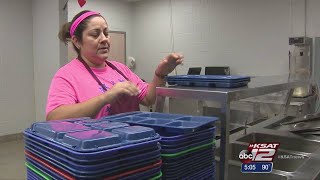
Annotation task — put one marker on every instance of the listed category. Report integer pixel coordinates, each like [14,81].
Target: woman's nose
[105,37]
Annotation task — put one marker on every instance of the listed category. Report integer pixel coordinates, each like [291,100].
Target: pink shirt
[74,84]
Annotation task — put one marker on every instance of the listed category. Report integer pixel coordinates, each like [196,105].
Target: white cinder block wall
[17,105]
[250,36]
[46,50]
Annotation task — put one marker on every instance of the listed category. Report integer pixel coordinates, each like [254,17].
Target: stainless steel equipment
[301,152]
[257,86]
[300,63]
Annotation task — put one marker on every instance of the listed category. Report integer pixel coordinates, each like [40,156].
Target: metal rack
[258,86]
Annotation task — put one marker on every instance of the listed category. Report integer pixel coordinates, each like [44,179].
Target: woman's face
[95,44]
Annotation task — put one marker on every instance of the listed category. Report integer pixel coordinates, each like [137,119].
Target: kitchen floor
[12,160]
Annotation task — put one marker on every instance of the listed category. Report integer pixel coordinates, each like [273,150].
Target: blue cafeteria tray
[56,130]
[96,173]
[209,84]
[207,173]
[107,165]
[219,81]
[183,165]
[206,150]
[184,148]
[31,175]
[54,152]
[187,171]
[141,171]
[173,138]
[143,175]
[190,158]
[180,144]
[209,78]
[168,124]
[108,126]
[92,155]
[95,169]
[85,139]
[42,169]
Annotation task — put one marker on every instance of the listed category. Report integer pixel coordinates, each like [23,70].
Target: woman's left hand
[168,64]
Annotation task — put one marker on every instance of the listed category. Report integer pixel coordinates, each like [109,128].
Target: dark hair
[64,33]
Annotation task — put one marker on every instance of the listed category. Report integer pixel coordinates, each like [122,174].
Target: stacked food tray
[91,149]
[219,81]
[187,142]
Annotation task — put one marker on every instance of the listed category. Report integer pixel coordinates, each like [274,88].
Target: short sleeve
[61,92]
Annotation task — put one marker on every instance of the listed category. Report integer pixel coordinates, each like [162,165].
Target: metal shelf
[258,86]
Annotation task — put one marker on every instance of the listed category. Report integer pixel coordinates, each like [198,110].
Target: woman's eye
[95,35]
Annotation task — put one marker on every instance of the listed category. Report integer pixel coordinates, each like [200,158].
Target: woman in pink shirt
[93,86]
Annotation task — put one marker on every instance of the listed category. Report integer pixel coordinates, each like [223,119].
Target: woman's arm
[91,107]
[165,67]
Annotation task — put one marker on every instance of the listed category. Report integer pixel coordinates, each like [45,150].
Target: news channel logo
[258,158]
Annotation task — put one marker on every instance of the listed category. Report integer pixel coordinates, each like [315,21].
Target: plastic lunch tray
[93,174]
[32,175]
[176,140]
[107,165]
[209,78]
[219,81]
[165,138]
[83,176]
[206,173]
[64,174]
[200,160]
[164,124]
[189,158]
[85,139]
[144,171]
[185,148]
[148,173]
[210,145]
[91,155]
[47,166]
[188,166]
[156,174]
[54,152]
[187,171]
[209,84]
[39,172]
[187,143]
[104,171]
[184,173]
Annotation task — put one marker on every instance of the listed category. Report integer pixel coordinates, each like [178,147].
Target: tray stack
[187,142]
[218,81]
[91,149]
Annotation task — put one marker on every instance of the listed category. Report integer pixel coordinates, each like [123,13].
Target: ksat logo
[259,152]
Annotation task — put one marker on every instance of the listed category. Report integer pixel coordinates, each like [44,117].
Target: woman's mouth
[104,49]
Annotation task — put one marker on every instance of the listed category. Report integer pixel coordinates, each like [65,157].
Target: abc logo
[245,156]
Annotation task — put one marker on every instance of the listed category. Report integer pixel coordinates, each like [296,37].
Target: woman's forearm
[89,108]
[151,95]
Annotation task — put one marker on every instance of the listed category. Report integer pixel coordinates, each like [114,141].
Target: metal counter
[224,96]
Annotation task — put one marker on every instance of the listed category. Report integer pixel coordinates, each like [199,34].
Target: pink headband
[76,23]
